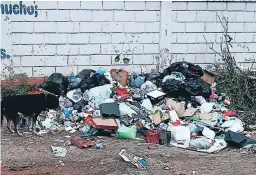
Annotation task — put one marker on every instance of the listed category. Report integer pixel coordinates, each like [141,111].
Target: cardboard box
[208,77]
[156,96]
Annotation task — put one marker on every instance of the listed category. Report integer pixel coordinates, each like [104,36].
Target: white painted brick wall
[80,15]
[44,27]
[59,15]
[44,49]
[90,27]
[113,5]
[68,36]
[69,5]
[89,49]
[112,27]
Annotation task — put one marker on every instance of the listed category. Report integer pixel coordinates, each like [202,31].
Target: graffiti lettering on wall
[4,55]
[18,9]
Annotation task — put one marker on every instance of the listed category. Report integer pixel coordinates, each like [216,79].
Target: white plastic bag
[98,95]
[218,145]
[208,133]
[206,107]
[180,136]
[235,125]
[75,95]
[146,103]
[126,110]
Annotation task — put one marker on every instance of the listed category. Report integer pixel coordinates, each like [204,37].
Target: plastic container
[124,132]
[152,137]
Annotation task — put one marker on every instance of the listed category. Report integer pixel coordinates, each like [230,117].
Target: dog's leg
[9,125]
[29,123]
[16,126]
[34,118]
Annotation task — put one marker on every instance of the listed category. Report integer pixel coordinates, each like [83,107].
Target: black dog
[28,105]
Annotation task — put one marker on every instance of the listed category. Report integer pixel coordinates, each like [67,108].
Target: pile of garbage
[179,107]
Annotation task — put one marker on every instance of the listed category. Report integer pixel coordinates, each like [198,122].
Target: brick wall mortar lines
[85,30]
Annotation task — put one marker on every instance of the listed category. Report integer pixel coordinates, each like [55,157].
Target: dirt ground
[32,154]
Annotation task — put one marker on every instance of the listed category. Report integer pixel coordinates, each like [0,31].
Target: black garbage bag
[189,70]
[56,84]
[94,81]
[86,73]
[197,87]
[192,87]
[79,105]
[174,88]
[235,139]
[73,82]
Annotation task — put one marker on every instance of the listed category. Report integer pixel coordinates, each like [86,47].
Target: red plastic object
[176,123]
[120,91]
[120,76]
[88,120]
[152,137]
[124,97]
[230,113]
[82,143]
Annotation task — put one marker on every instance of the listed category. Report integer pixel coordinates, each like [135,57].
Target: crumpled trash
[79,105]
[48,123]
[206,107]
[137,80]
[201,100]
[180,136]
[146,103]
[234,125]
[109,109]
[200,143]
[124,132]
[95,80]
[174,88]
[174,75]
[208,133]
[120,76]
[75,95]
[73,82]
[64,102]
[191,87]
[85,73]
[137,161]
[101,72]
[99,94]
[235,139]
[56,84]
[189,70]
[67,113]
[147,87]
[179,107]
[86,128]
[59,151]
[197,87]
[126,110]
[218,145]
